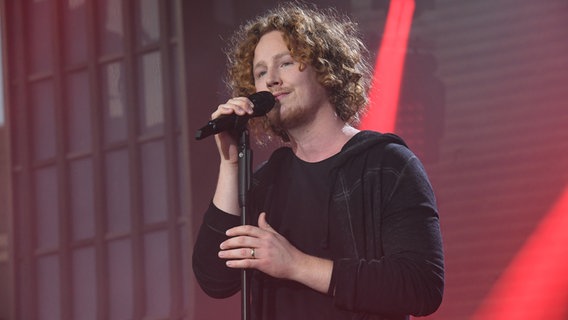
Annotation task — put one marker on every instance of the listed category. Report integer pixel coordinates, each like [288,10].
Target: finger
[262,223]
[244,104]
[246,230]
[242,264]
[224,109]
[238,105]
[240,253]
[237,242]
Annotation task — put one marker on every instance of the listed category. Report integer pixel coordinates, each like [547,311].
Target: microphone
[263,102]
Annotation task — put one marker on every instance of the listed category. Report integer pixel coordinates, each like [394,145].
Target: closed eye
[259,74]
[286,63]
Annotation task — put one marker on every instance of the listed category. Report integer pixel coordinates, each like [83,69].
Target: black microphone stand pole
[245,169]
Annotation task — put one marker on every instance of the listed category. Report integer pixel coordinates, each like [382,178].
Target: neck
[322,138]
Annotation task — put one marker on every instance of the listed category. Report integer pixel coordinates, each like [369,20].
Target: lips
[280,95]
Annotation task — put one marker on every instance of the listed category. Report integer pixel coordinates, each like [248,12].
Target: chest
[304,210]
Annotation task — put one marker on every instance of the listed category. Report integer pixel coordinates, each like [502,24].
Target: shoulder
[374,147]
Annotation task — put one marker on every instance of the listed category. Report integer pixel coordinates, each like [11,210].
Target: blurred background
[102,185]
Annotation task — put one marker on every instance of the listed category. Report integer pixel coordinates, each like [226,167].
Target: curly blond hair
[330,43]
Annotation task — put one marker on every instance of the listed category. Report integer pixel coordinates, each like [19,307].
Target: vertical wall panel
[117,192]
[111,26]
[49,286]
[42,113]
[40,35]
[113,78]
[154,182]
[46,213]
[148,22]
[78,115]
[156,261]
[84,284]
[120,296]
[82,205]
[151,97]
[75,29]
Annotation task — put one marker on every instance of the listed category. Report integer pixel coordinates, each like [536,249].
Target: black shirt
[302,193]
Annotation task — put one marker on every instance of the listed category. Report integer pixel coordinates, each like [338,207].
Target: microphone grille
[263,102]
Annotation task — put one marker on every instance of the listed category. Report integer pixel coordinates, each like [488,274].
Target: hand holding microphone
[263,102]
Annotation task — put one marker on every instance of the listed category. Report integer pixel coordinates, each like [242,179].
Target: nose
[273,79]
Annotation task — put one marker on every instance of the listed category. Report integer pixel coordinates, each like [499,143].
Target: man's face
[299,95]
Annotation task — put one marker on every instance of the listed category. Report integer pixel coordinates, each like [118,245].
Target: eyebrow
[275,57]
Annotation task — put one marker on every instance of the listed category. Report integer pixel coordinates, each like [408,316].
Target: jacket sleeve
[409,276]
[216,279]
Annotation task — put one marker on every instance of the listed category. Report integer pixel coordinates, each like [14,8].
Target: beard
[285,119]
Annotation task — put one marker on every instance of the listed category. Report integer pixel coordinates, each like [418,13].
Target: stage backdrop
[106,186]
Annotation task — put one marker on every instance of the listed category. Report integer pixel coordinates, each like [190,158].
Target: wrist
[313,272]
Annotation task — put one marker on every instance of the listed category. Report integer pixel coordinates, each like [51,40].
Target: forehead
[269,45]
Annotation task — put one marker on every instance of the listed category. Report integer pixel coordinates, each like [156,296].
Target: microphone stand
[245,169]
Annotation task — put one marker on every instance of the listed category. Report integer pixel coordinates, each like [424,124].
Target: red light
[389,67]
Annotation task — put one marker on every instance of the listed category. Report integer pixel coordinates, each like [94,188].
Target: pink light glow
[535,285]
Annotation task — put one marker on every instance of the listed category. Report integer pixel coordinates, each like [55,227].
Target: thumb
[262,222]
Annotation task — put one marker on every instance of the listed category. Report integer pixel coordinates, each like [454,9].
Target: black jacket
[382,200]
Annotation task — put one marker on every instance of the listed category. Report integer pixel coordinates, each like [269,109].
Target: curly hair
[330,43]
